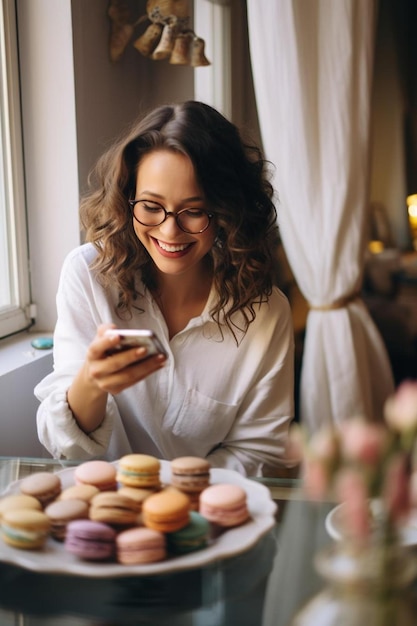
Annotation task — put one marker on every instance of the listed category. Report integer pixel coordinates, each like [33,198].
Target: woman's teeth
[173,248]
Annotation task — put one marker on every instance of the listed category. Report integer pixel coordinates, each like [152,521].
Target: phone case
[137,338]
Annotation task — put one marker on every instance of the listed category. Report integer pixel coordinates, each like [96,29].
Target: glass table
[264,586]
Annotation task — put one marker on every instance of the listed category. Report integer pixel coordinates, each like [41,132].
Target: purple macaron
[90,540]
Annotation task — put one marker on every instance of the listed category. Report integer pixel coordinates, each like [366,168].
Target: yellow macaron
[139,470]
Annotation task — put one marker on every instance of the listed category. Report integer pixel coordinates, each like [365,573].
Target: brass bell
[166,43]
[119,38]
[147,42]
[198,58]
[181,52]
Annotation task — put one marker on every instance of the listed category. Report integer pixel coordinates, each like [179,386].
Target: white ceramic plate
[335,526]
[54,558]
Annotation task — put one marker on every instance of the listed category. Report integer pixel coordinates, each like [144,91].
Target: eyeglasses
[193,221]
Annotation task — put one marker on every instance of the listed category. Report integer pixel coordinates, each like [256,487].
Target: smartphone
[136,339]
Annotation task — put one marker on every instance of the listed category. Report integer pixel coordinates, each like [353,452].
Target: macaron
[44,486]
[166,511]
[61,512]
[140,545]
[139,470]
[190,474]
[100,474]
[26,529]
[90,540]
[79,492]
[114,508]
[16,501]
[192,537]
[224,504]
[137,495]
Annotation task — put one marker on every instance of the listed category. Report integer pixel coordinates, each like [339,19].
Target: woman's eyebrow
[160,197]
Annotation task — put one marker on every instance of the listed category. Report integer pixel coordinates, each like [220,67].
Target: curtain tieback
[341,303]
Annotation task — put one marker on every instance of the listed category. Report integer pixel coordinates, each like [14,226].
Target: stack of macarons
[123,512]
[191,475]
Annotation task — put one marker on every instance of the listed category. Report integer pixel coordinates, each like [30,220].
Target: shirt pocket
[204,418]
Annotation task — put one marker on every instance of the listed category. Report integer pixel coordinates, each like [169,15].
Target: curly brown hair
[234,179]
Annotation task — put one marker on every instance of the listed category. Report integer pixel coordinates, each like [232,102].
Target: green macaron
[192,537]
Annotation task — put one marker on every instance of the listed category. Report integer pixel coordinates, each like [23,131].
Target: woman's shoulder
[273,312]
[278,300]
[80,257]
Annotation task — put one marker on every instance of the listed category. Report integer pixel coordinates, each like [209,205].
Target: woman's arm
[77,411]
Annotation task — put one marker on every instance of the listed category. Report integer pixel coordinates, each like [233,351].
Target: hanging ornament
[121,30]
[198,58]
[146,43]
[168,34]
[166,43]
[182,50]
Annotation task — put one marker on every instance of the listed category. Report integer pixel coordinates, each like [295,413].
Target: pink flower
[401,409]
[351,489]
[413,489]
[363,442]
[316,480]
[324,445]
[396,488]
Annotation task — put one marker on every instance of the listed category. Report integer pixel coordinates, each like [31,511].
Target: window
[15,312]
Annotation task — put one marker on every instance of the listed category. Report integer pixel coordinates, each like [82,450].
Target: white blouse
[230,403]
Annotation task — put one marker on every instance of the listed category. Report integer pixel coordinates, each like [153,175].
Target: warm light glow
[375,246]
[412,199]
[412,217]
[412,210]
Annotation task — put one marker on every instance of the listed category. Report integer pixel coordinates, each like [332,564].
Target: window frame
[213,83]
[18,315]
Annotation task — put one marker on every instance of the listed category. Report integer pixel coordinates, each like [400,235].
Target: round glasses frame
[176,216]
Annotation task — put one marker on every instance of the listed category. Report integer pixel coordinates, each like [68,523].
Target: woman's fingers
[114,370]
[116,380]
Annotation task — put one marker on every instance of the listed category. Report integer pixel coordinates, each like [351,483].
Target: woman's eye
[151,208]
[194,212]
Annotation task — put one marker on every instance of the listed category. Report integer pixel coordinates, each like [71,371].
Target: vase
[367,586]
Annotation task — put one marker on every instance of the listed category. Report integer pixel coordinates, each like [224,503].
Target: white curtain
[312,69]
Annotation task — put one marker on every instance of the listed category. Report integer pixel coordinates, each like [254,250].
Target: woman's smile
[172,248]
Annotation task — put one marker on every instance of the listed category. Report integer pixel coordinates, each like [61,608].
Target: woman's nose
[169,225]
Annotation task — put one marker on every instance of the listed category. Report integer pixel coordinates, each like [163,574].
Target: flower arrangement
[361,462]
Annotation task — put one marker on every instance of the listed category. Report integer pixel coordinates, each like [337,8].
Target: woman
[181,229]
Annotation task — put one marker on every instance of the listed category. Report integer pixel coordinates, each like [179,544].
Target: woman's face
[167,179]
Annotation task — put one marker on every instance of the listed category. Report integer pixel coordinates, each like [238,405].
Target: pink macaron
[224,505]
[44,486]
[61,512]
[100,474]
[140,545]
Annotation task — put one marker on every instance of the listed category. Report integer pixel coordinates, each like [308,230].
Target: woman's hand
[104,373]
[114,372]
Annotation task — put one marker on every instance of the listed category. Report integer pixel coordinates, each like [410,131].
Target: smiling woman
[181,230]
